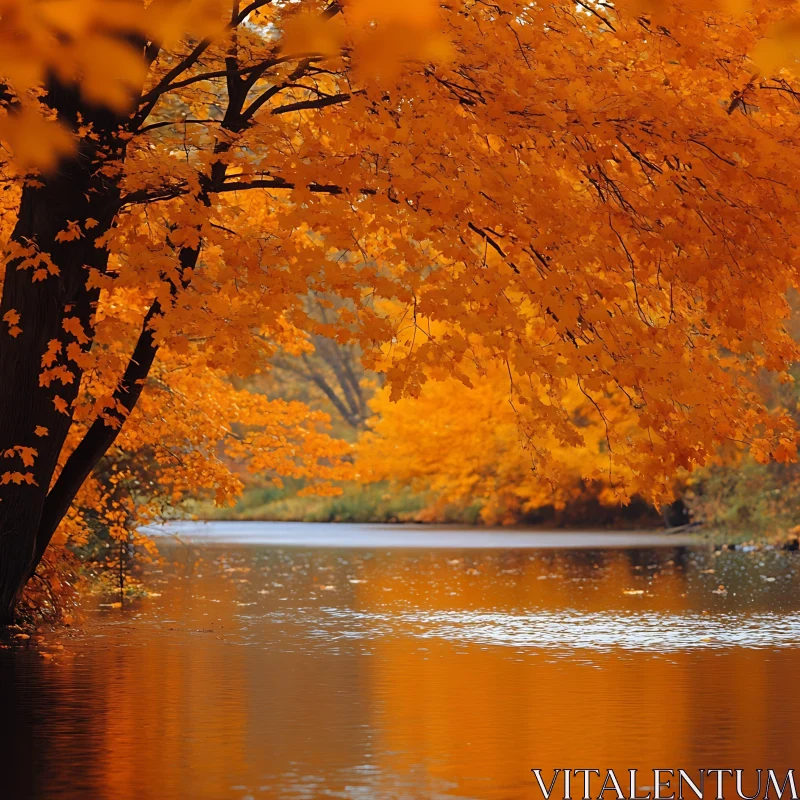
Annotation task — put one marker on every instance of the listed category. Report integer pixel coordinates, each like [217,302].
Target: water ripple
[576,630]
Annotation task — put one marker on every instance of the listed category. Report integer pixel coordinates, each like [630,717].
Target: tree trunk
[19,521]
[28,522]
[43,312]
[35,406]
[46,305]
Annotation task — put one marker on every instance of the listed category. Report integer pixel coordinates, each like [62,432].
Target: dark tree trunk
[46,286]
[32,398]
[29,396]
[31,512]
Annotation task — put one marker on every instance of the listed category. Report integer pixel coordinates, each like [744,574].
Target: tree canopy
[583,198]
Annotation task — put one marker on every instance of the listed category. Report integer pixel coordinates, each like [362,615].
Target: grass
[376,502]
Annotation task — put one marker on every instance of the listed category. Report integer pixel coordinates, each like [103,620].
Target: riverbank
[387,503]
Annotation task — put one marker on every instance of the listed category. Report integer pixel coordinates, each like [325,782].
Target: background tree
[471,447]
[589,196]
[328,369]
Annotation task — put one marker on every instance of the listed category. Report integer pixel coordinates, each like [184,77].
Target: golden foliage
[588,200]
[473,446]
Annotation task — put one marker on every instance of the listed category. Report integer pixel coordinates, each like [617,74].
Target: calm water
[272,671]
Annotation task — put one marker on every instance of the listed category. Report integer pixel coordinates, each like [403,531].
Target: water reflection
[271,673]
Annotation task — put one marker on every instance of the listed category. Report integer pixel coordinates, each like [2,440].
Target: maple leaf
[61,405]
[74,326]
[70,233]
[27,454]
[12,318]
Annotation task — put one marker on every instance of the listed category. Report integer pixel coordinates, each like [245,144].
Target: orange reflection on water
[479,719]
[251,677]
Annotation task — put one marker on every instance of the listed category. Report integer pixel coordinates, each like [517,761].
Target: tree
[590,195]
[472,447]
[331,370]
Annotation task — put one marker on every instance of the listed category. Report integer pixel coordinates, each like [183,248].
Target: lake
[385,662]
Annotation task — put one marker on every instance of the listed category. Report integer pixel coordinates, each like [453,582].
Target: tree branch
[319,102]
[101,435]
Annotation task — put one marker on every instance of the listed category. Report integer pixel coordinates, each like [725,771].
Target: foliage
[741,497]
[53,594]
[584,198]
[188,440]
[746,499]
[469,446]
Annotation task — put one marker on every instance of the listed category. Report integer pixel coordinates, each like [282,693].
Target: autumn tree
[590,195]
[469,446]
